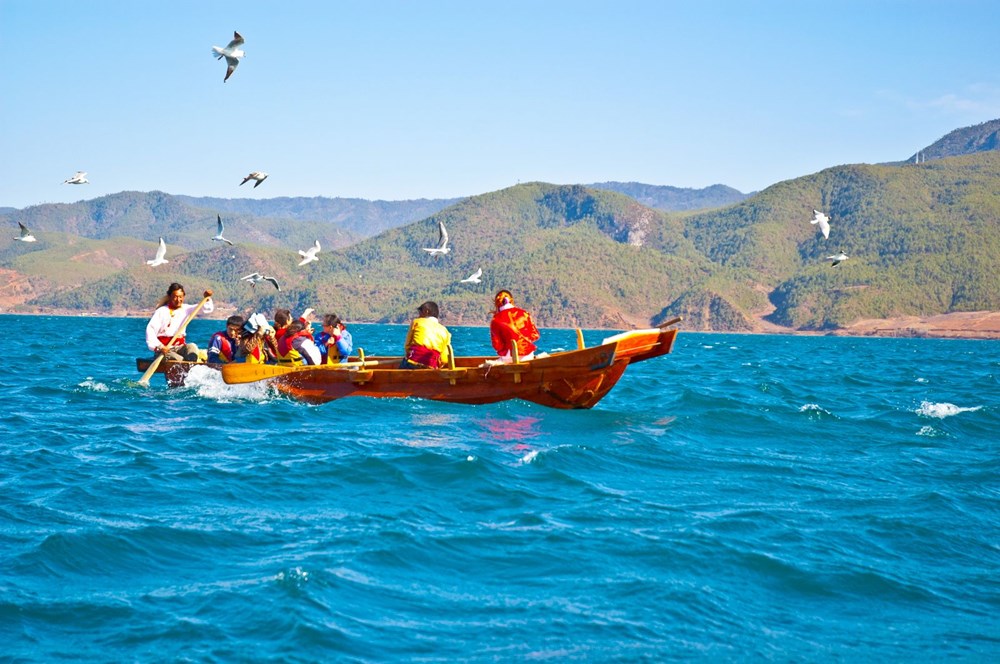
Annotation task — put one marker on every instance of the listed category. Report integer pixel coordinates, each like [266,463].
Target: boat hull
[571,379]
[558,384]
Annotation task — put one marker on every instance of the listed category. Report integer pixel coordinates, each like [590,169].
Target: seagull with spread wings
[822,221]
[256,277]
[474,278]
[837,259]
[218,235]
[25,235]
[79,178]
[232,53]
[442,245]
[309,255]
[259,176]
[161,253]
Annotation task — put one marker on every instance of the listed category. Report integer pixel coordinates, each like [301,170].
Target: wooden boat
[570,379]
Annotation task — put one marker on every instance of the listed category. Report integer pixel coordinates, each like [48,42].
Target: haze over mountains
[923,238]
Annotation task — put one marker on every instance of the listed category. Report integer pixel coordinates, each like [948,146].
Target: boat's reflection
[514,435]
[517,429]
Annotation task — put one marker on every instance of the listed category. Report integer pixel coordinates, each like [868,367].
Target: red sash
[425,356]
[165,340]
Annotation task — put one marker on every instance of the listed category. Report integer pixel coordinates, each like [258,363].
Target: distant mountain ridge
[675,199]
[148,215]
[967,140]
[358,215]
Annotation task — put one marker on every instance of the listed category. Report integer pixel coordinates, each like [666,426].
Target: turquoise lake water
[769,498]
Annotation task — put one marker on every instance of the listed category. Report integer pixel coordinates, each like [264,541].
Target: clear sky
[430,99]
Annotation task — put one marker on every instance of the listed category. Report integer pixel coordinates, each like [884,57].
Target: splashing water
[943,410]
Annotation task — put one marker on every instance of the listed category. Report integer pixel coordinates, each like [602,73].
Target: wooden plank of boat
[639,345]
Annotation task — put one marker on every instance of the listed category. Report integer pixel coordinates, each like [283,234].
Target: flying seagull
[218,235]
[25,235]
[442,245]
[232,53]
[473,278]
[161,252]
[823,221]
[837,259]
[259,176]
[257,276]
[309,255]
[79,178]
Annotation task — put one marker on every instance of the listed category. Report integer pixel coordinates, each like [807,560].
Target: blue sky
[400,100]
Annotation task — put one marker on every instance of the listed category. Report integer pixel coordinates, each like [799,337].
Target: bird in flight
[161,252]
[256,277]
[232,53]
[442,245]
[823,221]
[79,178]
[474,278]
[25,235]
[218,235]
[259,176]
[837,258]
[309,255]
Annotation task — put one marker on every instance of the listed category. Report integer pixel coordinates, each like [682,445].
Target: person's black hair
[428,308]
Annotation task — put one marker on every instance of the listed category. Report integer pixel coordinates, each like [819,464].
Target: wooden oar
[144,381]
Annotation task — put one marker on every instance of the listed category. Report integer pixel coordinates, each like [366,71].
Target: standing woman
[170,314]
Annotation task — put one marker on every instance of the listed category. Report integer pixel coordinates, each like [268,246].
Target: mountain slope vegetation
[967,140]
[922,239]
[675,199]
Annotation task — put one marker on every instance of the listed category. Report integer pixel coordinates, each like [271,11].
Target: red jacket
[513,325]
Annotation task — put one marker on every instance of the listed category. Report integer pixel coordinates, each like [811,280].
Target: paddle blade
[144,381]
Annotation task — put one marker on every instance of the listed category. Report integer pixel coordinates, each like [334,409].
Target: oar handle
[144,381]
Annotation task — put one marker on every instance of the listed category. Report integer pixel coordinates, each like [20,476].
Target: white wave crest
[929,431]
[207,383]
[529,457]
[295,575]
[942,410]
[813,406]
[91,384]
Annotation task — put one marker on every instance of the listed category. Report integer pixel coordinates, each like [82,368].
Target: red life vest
[225,347]
[286,353]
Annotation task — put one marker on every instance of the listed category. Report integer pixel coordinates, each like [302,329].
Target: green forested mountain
[675,199]
[922,239]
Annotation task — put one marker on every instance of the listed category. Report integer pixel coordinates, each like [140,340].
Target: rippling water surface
[747,497]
